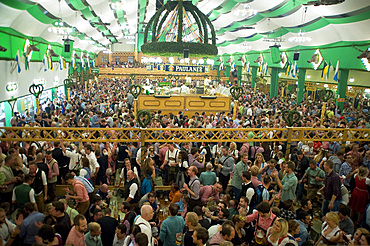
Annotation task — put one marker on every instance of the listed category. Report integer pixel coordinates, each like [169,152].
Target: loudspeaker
[234,73]
[275,54]
[158,4]
[296,56]
[186,53]
[67,47]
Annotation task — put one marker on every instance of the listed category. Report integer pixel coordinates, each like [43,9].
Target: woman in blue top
[85,171]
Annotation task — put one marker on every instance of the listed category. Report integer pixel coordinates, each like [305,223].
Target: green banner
[183,68]
[95,70]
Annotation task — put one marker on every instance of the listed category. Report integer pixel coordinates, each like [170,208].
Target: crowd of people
[227,193]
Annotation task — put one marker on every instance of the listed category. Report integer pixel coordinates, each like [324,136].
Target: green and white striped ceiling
[237,30]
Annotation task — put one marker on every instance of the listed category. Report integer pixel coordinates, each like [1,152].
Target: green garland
[155,48]
[177,49]
[325,95]
[144,118]
[291,117]
[236,92]
[137,91]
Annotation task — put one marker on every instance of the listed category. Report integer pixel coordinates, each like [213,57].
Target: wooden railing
[153,135]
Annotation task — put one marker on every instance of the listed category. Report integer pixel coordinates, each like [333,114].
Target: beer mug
[179,238]
[259,237]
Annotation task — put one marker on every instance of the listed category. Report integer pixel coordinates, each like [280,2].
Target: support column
[254,76]
[301,79]
[218,71]
[240,70]
[227,71]
[342,86]
[274,81]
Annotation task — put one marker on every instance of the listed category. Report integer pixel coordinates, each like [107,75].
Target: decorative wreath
[135,90]
[291,117]
[236,92]
[143,118]
[325,95]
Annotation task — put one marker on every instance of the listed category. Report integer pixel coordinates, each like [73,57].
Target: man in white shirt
[131,193]
[40,185]
[74,157]
[171,162]
[24,193]
[143,222]
[94,165]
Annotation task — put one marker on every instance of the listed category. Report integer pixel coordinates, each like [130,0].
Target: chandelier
[300,38]
[118,5]
[60,28]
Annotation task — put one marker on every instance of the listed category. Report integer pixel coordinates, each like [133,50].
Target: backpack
[259,191]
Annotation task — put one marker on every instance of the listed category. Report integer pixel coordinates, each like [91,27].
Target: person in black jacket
[301,164]
[108,227]
[62,160]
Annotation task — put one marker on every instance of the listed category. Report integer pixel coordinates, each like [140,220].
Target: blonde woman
[293,230]
[260,163]
[330,232]
[234,152]
[148,164]
[239,223]
[357,236]
[191,221]
[277,234]
[321,157]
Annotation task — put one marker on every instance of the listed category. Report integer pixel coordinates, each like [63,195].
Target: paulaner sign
[181,68]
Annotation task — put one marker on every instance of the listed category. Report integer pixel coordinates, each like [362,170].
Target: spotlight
[53,54]
[3,49]
[33,48]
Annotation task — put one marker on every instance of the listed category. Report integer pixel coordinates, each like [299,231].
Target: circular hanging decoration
[236,92]
[325,95]
[135,90]
[143,118]
[36,90]
[291,117]
[179,26]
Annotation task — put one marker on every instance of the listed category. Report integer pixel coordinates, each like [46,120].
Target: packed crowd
[123,65]
[246,193]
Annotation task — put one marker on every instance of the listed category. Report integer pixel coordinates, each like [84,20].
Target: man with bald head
[131,192]
[103,192]
[143,222]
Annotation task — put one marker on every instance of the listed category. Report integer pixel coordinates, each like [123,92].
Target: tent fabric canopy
[237,22]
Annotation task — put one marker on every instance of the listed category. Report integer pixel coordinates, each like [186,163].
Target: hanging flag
[330,70]
[294,70]
[336,72]
[233,67]
[44,62]
[221,66]
[26,55]
[73,63]
[18,61]
[24,59]
[93,63]
[50,63]
[248,67]
[324,70]
[265,68]
[61,65]
[82,62]
[287,71]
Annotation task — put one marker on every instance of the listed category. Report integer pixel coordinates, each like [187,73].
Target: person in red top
[81,196]
[76,236]
[264,217]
